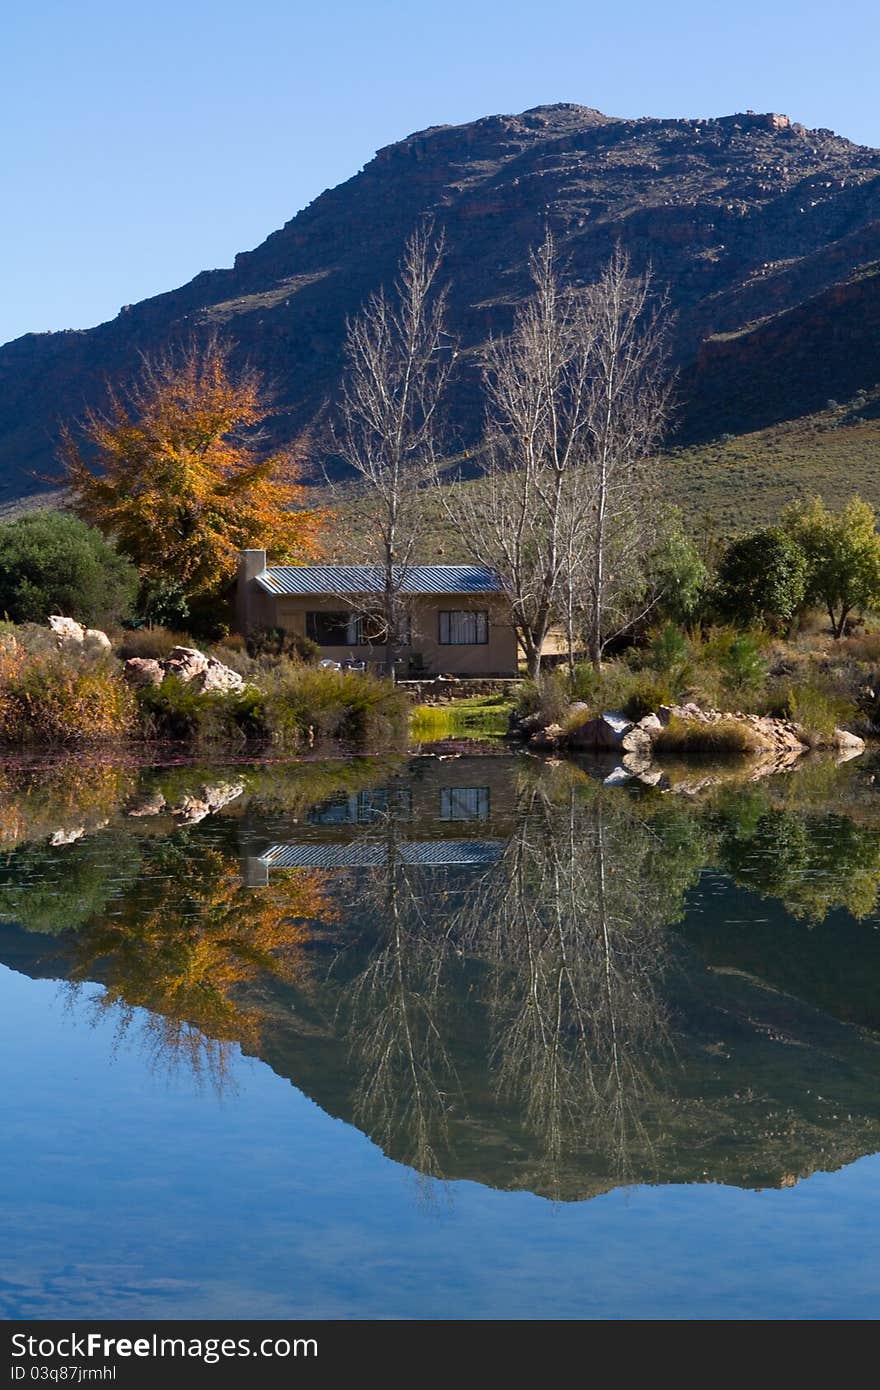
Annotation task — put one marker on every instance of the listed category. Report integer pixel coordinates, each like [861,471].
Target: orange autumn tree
[175,471]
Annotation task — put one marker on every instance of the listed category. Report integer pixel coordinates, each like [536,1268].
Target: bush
[181,714]
[668,649]
[817,709]
[691,738]
[150,642]
[311,704]
[163,602]
[63,697]
[53,563]
[647,693]
[291,705]
[762,579]
[277,641]
[547,696]
[744,668]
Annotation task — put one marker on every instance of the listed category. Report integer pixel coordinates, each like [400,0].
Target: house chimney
[250,564]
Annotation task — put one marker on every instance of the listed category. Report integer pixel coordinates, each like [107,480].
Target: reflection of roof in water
[373,853]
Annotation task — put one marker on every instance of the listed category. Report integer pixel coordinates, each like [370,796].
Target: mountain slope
[767,234]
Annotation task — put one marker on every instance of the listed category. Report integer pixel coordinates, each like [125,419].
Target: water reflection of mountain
[501,970]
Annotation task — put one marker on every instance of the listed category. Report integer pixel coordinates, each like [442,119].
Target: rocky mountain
[767,234]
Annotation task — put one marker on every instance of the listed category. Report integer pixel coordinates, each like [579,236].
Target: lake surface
[467,1036]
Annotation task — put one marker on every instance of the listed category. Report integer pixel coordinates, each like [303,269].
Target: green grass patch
[485,716]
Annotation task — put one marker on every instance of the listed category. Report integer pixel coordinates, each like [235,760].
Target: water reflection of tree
[813,861]
[571,922]
[565,933]
[192,946]
[394,1008]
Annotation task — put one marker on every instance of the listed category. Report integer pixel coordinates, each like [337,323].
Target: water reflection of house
[428,819]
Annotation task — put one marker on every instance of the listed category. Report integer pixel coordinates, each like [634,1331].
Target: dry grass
[690,738]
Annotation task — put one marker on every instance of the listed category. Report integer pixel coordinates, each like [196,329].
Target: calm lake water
[472,1036]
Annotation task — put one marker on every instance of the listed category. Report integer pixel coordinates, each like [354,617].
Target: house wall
[498,656]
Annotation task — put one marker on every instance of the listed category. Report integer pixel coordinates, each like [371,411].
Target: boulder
[650,724]
[67,629]
[546,738]
[220,678]
[638,743]
[205,673]
[143,670]
[186,663]
[209,799]
[846,745]
[605,732]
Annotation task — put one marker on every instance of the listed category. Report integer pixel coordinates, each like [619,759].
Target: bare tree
[537,389]
[629,400]
[398,360]
[576,399]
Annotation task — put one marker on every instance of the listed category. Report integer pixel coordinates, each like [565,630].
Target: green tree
[842,550]
[762,578]
[677,571]
[53,563]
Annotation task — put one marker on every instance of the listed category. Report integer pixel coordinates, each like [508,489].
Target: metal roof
[369,854]
[370,579]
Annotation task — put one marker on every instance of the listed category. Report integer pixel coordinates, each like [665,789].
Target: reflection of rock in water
[488,977]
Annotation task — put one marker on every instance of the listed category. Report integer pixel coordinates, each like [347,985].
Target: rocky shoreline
[771,744]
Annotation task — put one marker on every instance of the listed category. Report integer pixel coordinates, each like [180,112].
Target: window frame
[475,613]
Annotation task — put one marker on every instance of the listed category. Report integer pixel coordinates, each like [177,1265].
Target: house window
[464,803]
[363,808]
[330,629]
[464,627]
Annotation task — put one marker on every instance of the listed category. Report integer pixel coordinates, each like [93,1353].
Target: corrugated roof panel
[370,854]
[370,579]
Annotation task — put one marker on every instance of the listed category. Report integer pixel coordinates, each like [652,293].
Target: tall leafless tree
[537,391]
[576,398]
[398,360]
[629,400]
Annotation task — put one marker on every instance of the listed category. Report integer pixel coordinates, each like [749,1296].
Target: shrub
[744,668]
[163,602]
[547,696]
[63,697]
[819,710]
[150,642]
[762,578]
[842,553]
[586,683]
[691,738]
[277,641]
[668,649]
[176,711]
[52,563]
[677,572]
[312,704]
[647,693]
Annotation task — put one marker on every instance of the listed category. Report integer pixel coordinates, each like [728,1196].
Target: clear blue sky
[143,142]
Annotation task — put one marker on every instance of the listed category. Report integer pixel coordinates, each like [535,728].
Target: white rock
[68,629]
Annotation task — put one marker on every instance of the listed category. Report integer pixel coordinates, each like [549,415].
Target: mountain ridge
[767,233]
